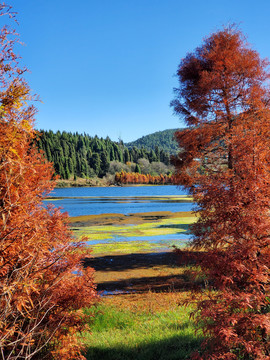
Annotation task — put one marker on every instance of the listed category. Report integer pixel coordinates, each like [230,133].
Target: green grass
[125,334]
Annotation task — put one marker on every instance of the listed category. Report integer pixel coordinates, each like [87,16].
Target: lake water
[120,200]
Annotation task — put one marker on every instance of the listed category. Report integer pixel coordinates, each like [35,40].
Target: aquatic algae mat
[118,233]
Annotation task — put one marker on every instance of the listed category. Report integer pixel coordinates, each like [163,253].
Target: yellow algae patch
[160,231]
[51,199]
[125,247]
[186,220]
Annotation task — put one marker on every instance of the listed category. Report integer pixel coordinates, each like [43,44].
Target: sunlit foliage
[225,162]
[137,178]
[42,284]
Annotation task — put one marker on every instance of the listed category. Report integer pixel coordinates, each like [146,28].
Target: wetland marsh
[117,234]
[132,232]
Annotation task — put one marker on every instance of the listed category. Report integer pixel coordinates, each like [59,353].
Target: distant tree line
[80,155]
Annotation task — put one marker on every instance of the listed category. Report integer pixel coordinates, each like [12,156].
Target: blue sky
[107,67]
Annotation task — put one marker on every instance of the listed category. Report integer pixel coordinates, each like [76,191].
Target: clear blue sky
[107,67]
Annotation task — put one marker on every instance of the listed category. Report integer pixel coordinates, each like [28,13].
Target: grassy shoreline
[142,327]
[82,182]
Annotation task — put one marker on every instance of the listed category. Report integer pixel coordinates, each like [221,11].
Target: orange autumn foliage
[225,163]
[43,286]
[137,178]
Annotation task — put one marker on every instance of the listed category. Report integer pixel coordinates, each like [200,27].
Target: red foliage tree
[136,178]
[43,285]
[225,162]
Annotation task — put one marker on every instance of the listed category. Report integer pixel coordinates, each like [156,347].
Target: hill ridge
[163,139]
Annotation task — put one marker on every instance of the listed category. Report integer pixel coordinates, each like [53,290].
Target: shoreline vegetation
[98,182]
[82,182]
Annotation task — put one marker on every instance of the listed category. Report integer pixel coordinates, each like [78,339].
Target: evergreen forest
[80,155]
[163,139]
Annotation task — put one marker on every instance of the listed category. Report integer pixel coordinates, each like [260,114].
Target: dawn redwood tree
[43,286]
[224,161]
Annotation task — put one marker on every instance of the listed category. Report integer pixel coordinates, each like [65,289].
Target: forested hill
[163,139]
[85,156]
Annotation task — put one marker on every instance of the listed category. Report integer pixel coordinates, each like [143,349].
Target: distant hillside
[162,139]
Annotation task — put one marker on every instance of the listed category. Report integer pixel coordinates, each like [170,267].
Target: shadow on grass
[141,283]
[174,348]
[150,283]
[126,262]
[132,261]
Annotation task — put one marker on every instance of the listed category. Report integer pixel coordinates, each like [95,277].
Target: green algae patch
[125,247]
[162,227]
[131,247]
[112,226]
[179,220]
[159,231]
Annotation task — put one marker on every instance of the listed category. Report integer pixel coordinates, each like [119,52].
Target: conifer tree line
[81,155]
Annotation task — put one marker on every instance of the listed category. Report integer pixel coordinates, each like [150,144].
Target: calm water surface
[121,200]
